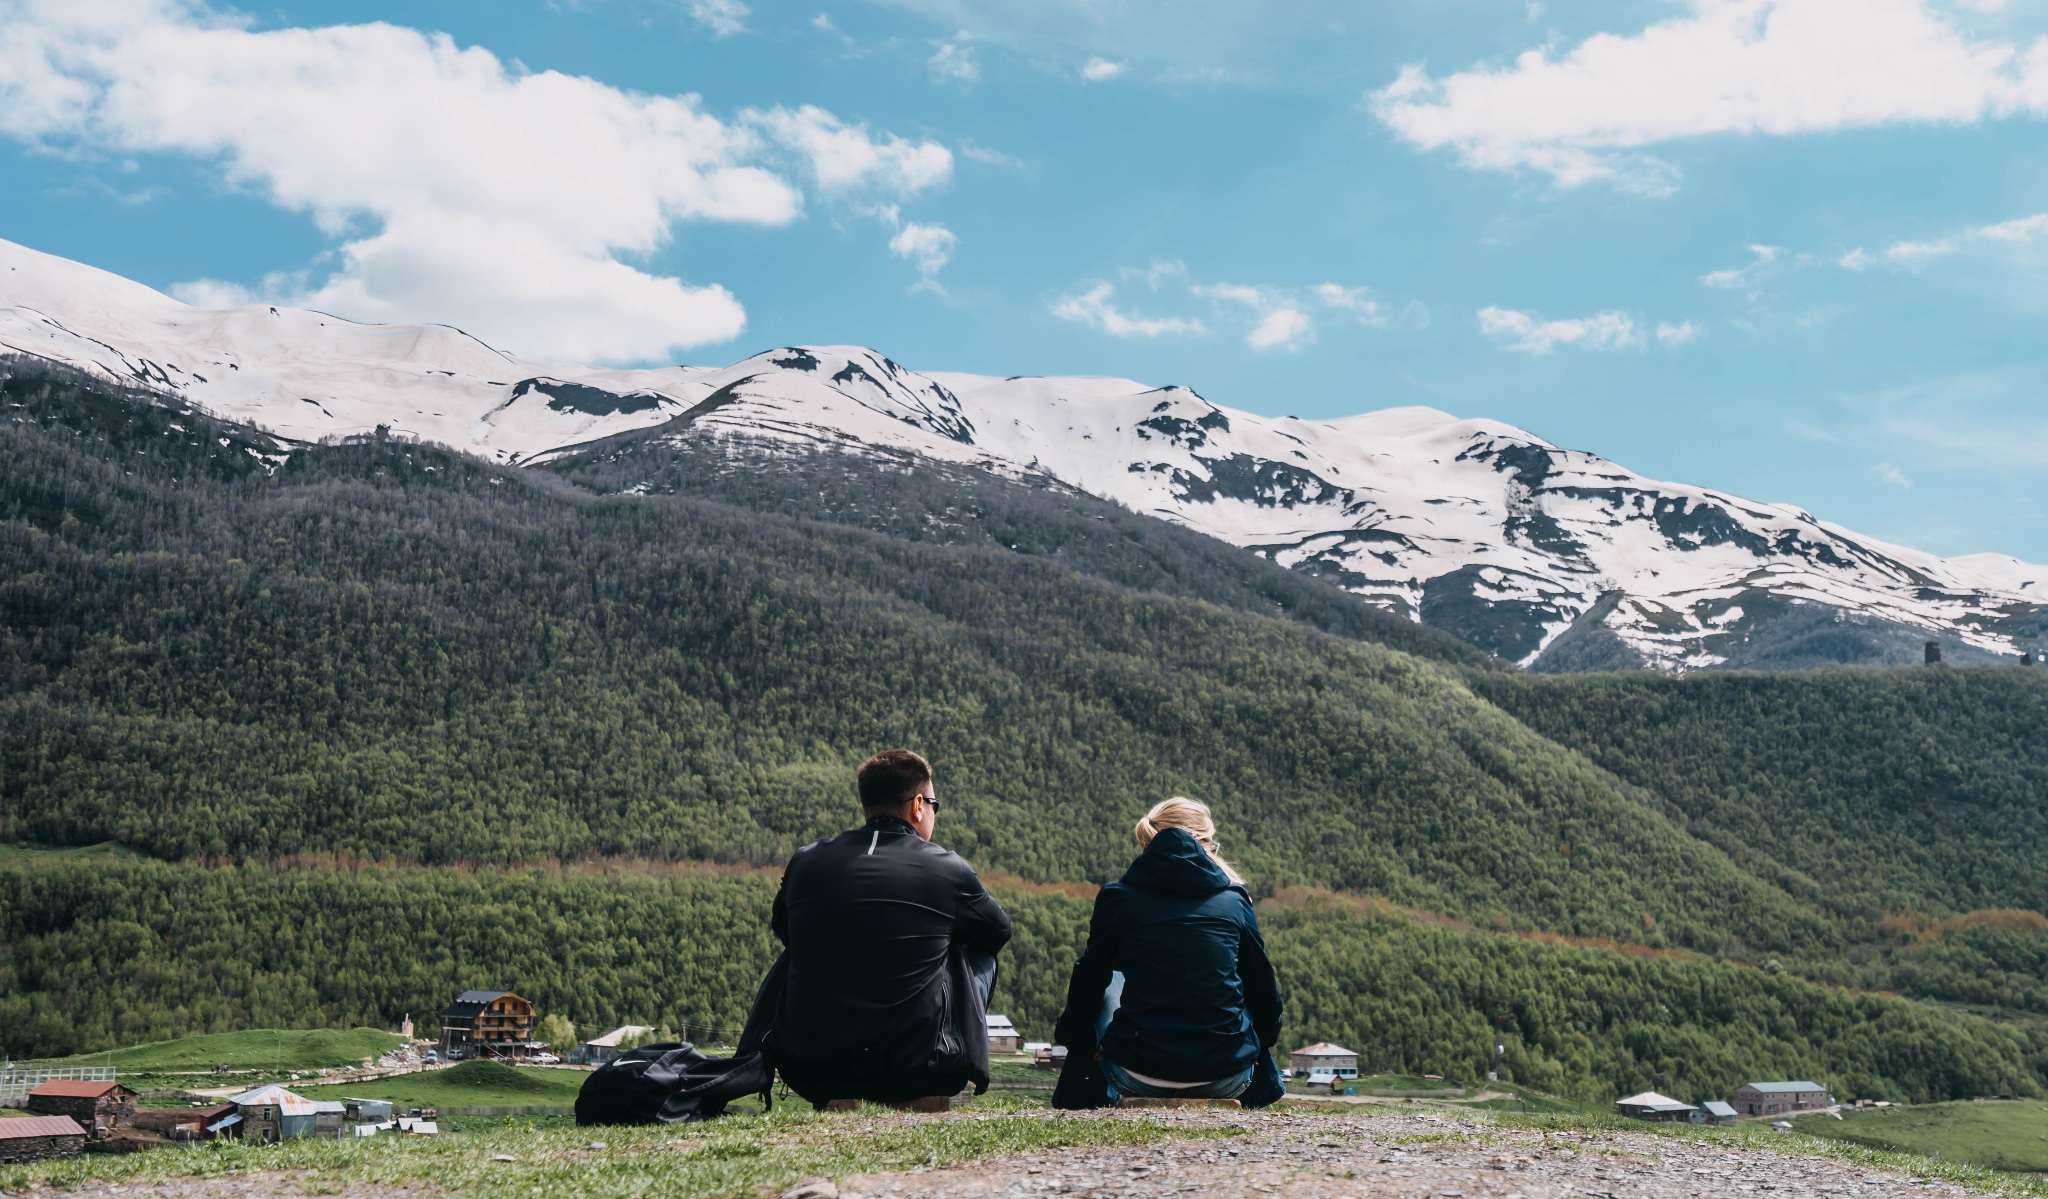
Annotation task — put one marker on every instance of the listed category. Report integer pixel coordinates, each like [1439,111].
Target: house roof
[1325,1049]
[611,1039]
[1776,1088]
[1000,1026]
[469,1003]
[327,1105]
[17,1127]
[73,1088]
[1654,1101]
[1718,1108]
[288,1103]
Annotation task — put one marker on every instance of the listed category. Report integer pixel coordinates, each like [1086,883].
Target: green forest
[374,722]
[143,950]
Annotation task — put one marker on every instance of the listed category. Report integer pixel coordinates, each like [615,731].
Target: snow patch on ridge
[1475,526]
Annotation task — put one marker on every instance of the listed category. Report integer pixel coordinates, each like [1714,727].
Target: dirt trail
[1285,1156]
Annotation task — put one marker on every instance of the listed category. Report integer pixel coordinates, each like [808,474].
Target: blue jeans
[982,967]
[1122,1085]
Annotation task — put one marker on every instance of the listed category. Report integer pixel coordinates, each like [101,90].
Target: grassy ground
[471,1084]
[272,1050]
[738,1156]
[2001,1134]
[105,849]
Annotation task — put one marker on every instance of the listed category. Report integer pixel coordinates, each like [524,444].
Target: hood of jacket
[1176,864]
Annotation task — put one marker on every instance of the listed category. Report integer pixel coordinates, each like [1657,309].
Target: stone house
[98,1107]
[1778,1098]
[40,1138]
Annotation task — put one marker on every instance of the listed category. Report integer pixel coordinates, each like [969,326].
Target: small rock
[503,1157]
[814,1188]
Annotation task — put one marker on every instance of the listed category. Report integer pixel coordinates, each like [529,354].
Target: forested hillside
[1865,791]
[360,701]
[395,652]
[133,950]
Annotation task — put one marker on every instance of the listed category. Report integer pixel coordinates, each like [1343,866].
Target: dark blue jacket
[1200,1001]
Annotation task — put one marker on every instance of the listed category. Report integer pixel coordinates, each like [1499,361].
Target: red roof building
[99,1107]
[39,1138]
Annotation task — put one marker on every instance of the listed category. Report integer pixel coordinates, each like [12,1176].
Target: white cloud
[846,157]
[1284,328]
[1858,259]
[1911,253]
[1095,308]
[1529,334]
[722,17]
[462,190]
[929,246]
[955,60]
[1761,256]
[2024,229]
[1892,475]
[1773,67]
[1098,70]
[1355,300]
[1281,323]
[1157,275]
[1684,333]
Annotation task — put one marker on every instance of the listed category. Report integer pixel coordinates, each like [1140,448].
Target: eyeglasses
[931,803]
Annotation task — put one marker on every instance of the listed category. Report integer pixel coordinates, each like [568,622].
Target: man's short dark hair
[891,778]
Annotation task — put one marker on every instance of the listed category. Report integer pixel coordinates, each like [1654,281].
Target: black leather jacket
[878,1003]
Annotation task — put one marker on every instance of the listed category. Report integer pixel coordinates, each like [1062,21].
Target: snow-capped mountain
[1539,554]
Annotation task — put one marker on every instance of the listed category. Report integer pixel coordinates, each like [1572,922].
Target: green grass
[736,1157]
[471,1084]
[257,1049]
[105,849]
[2000,1134]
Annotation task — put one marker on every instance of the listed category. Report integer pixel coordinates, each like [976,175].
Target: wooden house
[487,1024]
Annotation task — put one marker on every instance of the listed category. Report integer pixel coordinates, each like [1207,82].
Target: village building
[40,1138]
[182,1123]
[1777,1098]
[405,1027]
[487,1024]
[1649,1105]
[98,1107]
[1719,1112]
[1325,1058]
[599,1050]
[271,1113]
[1002,1035]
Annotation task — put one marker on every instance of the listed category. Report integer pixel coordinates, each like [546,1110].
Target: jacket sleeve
[1261,988]
[779,916]
[981,924]
[1076,1027]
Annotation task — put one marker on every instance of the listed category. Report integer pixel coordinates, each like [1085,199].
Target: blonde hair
[1191,817]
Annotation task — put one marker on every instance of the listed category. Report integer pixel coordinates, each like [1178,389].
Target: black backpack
[670,1083]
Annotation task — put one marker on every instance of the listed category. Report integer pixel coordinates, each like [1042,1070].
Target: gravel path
[1395,1157]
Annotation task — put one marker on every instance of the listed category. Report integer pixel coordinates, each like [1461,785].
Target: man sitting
[892,944]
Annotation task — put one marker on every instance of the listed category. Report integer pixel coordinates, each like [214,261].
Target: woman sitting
[1174,997]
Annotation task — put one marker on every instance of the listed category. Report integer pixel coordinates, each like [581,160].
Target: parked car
[544,1059]
[433,1057]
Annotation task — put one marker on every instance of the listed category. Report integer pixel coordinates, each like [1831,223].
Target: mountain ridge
[1552,558]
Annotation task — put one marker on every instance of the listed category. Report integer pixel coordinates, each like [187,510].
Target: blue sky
[1780,247]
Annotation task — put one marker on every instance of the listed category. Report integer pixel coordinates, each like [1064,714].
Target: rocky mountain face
[1548,557]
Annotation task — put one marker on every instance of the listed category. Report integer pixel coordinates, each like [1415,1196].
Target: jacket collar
[888,824]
